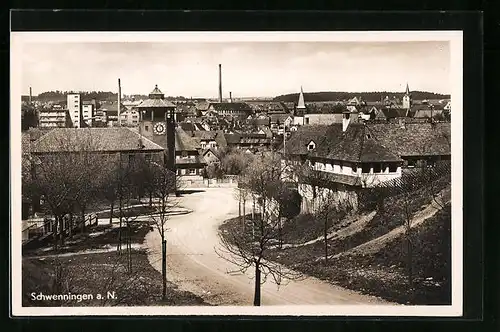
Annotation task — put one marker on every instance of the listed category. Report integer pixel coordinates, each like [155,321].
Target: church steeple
[407,101]
[301,104]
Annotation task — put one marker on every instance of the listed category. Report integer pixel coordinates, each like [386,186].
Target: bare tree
[62,176]
[163,187]
[252,248]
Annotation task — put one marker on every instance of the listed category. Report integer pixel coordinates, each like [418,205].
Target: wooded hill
[366,96]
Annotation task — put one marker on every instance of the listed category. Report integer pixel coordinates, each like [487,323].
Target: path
[194,265]
[375,245]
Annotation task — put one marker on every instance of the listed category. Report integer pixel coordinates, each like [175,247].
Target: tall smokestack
[119,102]
[230,96]
[30,96]
[220,83]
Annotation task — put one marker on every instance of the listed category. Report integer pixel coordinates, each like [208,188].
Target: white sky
[263,69]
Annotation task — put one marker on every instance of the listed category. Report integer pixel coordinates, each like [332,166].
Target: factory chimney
[119,103]
[30,96]
[220,83]
[230,97]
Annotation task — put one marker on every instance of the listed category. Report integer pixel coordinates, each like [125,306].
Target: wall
[312,198]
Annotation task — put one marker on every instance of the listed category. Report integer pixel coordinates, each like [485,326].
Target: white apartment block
[88,113]
[53,118]
[74,105]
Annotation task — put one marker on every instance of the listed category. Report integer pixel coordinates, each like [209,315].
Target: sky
[249,69]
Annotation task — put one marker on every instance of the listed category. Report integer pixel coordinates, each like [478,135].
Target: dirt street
[194,265]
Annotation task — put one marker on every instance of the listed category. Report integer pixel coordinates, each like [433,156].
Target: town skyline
[313,66]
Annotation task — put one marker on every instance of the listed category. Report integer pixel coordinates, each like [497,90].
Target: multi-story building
[54,118]
[74,105]
[130,118]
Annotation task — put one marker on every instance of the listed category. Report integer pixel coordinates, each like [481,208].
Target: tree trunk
[111,212]
[164,267]
[61,230]
[326,239]
[253,207]
[121,224]
[256,298]
[70,230]
[410,263]
[53,226]
[83,219]
[244,214]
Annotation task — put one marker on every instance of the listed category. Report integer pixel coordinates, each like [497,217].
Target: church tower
[407,101]
[301,106]
[157,123]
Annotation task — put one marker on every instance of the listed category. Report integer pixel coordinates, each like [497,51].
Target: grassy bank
[75,269]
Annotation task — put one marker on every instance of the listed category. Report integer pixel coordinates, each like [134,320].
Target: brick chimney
[230,97]
[220,83]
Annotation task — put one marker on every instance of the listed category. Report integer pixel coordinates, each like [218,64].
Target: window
[178,172]
[365,168]
[393,168]
[146,128]
[368,136]
[354,168]
[377,168]
[192,171]
[212,145]
[147,157]
[131,158]
[184,154]
[203,145]
[307,120]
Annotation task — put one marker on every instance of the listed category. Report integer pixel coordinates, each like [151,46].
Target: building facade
[74,106]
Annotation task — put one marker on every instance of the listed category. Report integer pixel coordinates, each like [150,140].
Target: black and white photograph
[236,173]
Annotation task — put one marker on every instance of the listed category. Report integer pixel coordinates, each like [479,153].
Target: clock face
[159,128]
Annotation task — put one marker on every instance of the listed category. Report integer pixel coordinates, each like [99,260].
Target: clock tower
[157,123]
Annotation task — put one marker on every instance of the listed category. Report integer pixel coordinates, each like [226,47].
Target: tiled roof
[339,178]
[357,144]
[297,143]
[275,118]
[205,135]
[186,161]
[111,107]
[93,139]
[155,103]
[221,139]
[427,113]
[231,107]
[187,126]
[415,138]
[184,142]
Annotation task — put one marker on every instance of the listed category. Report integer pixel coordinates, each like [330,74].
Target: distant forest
[58,96]
[366,96]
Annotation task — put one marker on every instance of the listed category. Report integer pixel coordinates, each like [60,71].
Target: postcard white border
[19,39]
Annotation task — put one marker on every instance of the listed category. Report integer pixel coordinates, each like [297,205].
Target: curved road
[194,265]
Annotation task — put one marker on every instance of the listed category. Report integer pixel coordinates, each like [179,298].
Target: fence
[42,229]
[229,181]
[435,177]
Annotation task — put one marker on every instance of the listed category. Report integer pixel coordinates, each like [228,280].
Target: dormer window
[311,146]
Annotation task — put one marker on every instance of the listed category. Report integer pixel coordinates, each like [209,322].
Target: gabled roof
[184,142]
[214,151]
[93,139]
